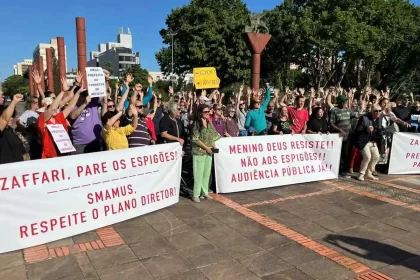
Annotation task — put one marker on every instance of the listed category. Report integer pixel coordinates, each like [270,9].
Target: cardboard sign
[205,77]
[96,81]
[61,138]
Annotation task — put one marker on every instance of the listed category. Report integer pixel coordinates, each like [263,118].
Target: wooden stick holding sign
[61,138]
[96,81]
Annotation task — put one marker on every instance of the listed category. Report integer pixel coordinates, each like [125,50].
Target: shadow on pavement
[375,251]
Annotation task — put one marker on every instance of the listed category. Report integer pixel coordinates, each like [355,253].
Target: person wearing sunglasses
[26,124]
[231,124]
[317,123]
[256,117]
[204,139]
[217,120]
[369,135]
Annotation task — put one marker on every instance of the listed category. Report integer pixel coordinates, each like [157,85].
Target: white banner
[50,199]
[405,154]
[96,81]
[258,162]
[61,138]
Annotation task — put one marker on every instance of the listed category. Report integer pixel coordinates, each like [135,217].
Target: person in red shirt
[297,114]
[51,115]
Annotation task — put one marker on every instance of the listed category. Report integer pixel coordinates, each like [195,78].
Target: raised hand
[79,77]
[171,90]
[129,78]
[81,89]
[88,99]
[64,84]
[37,77]
[133,110]
[107,74]
[150,80]
[17,97]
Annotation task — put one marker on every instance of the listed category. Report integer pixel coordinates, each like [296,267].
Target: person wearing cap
[403,112]
[256,117]
[27,124]
[340,122]
[369,136]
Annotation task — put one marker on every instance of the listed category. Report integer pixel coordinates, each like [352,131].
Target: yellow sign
[205,77]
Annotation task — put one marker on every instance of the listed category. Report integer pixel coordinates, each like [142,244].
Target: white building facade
[40,50]
[21,67]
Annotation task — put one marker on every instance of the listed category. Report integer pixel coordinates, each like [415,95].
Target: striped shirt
[140,137]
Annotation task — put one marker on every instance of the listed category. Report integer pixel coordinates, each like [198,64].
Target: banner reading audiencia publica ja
[50,199]
[258,162]
[405,154]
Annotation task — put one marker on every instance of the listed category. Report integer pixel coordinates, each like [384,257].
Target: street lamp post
[172,47]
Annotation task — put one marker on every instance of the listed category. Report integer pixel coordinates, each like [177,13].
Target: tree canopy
[15,84]
[348,43]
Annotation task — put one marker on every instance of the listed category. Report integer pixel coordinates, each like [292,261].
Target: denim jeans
[243,132]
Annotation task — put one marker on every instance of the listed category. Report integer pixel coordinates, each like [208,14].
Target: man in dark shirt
[403,112]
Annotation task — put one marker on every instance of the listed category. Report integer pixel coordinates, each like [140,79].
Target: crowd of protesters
[197,120]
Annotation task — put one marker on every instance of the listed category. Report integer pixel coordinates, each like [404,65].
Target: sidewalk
[341,229]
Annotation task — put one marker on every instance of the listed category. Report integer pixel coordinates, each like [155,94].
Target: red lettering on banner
[414,142]
[153,159]
[412,156]
[297,145]
[119,207]
[110,194]
[246,148]
[153,197]
[254,175]
[32,179]
[279,146]
[94,169]
[52,224]
[416,164]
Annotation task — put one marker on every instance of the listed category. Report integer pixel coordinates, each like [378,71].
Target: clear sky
[26,23]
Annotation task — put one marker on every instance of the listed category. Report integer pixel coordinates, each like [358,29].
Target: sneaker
[345,175]
[351,171]
[361,177]
[195,199]
[371,177]
[206,196]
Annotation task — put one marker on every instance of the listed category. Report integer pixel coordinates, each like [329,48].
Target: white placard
[50,199]
[258,162]
[61,138]
[96,81]
[405,154]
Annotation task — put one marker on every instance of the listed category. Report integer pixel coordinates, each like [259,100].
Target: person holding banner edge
[204,139]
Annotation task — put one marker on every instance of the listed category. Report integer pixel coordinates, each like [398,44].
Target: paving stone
[128,271]
[228,270]
[351,205]
[308,188]
[194,274]
[332,210]
[311,229]
[211,206]
[360,237]
[394,252]
[204,223]
[242,197]
[168,226]
[383,211]
[267,209]
[288,219]
[291,274]
[204,255]
[11,259]
[61,243]
[269,239]
[14,273]
[53,269]
[247,228]
[385,229]
[308,214]
[112,256]
[177,230]
[264,263]
[397,271]
[333,224]
[75,277]
[337,196]
[168,264]
[326,269]
[403,223]
[229,217]
[187,212]
[283,191]
[85,237]
[150,247]
[415,216]
[355,219]
[135,222]
[372,260]
[137,233]
[85,265]
[411,239]
[295,254]
[187,240]
[263,195]
[364,200]
[159,216]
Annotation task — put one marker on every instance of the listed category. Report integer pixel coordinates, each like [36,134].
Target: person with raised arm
[11,146]
[256,117]
[51,115]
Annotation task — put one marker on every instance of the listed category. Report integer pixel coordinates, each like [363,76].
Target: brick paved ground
[335,230]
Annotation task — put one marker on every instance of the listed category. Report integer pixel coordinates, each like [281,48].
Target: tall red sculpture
[256,43]
[41,71]
[61,59]
[81,46]
[35,86]
[50,75]
[31,81]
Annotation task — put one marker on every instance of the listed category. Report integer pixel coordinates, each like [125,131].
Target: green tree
[108,66]
[140,75]
[208,33]
[15,84]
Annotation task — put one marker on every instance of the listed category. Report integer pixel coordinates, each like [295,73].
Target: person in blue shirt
[138,88]
[256,117]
